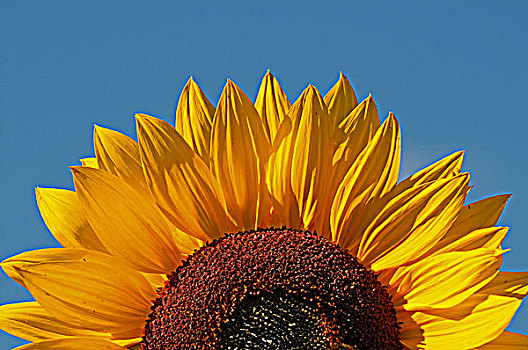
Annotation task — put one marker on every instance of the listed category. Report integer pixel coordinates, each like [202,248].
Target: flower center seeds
[269,289]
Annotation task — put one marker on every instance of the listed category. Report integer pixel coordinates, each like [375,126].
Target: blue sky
[453,72]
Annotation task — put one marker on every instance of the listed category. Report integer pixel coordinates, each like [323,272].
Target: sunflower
[265,226]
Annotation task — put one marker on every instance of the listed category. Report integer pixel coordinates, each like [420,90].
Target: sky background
[453,72]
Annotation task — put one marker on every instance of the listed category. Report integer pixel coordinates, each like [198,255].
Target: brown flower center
[272,289]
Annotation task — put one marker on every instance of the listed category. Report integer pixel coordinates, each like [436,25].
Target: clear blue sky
[453,72]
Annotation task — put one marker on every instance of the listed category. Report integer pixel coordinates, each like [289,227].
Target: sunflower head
[265,225]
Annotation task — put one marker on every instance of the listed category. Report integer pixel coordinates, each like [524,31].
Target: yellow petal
[278,177]
[374,173]
[121,216]
[72,344]
[179,180]
[412,223]
[490,237]
[300,166]
[311,158]
[89,289]
[359,128]
[476,321]
[32,322]
[90,162]
[447,167]
[341,100]
[272,105]
[239,152]
[194,119]
[508,284]
[484,213]
[445,280]
[507,341]
[444,168]
[62,213]
[35,257]
[119,155]
[473,226]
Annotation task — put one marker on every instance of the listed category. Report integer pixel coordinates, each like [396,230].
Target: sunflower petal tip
[142,119]
[141,115]
[38,193]
[464,178]
[191,84]
[230,87]
[311,89]
[392,120]
[77,170]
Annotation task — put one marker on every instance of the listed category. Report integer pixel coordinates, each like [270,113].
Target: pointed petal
[412,223]
[239,152]
[476,321]
[359,128]
[72,344]
[507,340]
[490,237]
[311,155]
[62,213]
[119,155]
[447,167]
[508,284]
[341,100]
[180,182]
[90,162]
[87,288]
[122,217]
[484,213]
[34,257]
[32,322]
[444,168]
[445,280]
[374,173]
[194,119]
[272,105]
[474,226]
[300,164]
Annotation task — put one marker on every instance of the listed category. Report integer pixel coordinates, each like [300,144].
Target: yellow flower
[265,226]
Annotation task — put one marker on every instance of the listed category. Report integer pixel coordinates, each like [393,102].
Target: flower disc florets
[272,289]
